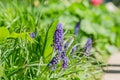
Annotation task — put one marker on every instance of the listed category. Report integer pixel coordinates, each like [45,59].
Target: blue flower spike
[87,47]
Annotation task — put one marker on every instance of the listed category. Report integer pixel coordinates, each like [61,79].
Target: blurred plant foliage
[97,22]
[25,58]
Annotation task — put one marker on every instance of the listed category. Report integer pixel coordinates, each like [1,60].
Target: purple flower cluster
[61,53]
[77,28]
[54,62]
[58,38]
[32,35]
[87,47]
[73,49]
[76,31]
[57,43]
[65,62]
[66,45]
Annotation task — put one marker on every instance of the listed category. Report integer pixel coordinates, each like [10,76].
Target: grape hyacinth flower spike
[57,43]
[54,62]
[58,38]
[66,44]
[76,31]
[77,28]
[87,47]
[63,54]
[65,62]
[73,50]
[32,35]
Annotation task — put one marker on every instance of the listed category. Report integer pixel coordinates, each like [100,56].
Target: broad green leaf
[14,35]
[24,35]
[4,33]
[47,49]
